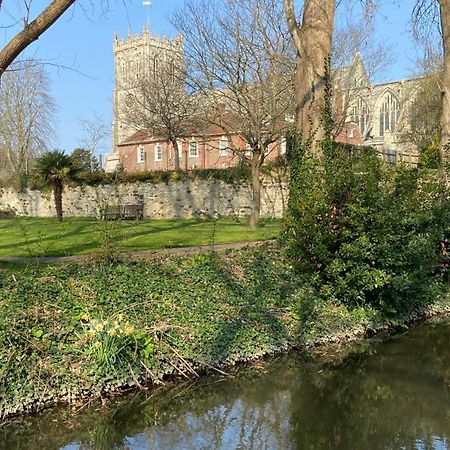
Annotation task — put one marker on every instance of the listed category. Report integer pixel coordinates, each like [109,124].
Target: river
[388,393]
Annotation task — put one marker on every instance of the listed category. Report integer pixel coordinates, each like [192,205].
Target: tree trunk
[32,32]
[312,40]
[57,193]
[256,191]
[177,155]
[445,115]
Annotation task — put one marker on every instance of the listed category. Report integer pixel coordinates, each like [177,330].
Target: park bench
[124,212]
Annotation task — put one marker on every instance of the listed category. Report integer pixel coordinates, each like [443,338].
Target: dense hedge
[230,175]
[239,174]
[367,234]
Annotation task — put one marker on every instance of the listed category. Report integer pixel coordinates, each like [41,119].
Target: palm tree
[55,168]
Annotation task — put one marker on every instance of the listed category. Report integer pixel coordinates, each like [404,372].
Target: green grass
[30,237]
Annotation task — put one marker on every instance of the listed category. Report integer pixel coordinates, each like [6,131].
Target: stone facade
[380,111]
[136,56]
[184,199]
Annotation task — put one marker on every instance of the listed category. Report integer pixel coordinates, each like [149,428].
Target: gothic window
[360,114]
[155,67]
[389,113]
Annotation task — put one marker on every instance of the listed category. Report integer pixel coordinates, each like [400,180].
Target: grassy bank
[29,237]
[68,333]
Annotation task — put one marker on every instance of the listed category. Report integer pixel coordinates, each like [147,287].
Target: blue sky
[83,40]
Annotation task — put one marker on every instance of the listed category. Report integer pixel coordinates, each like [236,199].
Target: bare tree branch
[32,32]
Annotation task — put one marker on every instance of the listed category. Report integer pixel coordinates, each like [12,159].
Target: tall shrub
[366,234]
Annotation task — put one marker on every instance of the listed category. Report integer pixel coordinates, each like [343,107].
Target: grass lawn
[29,237]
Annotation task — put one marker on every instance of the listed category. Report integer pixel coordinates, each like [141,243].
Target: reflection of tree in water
[389,396]
[395,398]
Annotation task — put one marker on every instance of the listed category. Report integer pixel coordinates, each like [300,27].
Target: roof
[144,136]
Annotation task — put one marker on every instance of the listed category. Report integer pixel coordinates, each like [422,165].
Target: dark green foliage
[230,175]
[55,169]
[429,157]
[68,333]
[84,160]
[364,234]
[239,174]
[55,165]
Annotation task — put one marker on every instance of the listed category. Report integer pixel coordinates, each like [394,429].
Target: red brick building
[211,149]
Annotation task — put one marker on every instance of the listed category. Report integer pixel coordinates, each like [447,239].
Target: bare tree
[27,113]
[240,59]
[424,109]
[312,38]
[160,104]
[95,131]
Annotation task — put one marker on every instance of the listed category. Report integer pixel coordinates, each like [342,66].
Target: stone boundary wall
[182,199]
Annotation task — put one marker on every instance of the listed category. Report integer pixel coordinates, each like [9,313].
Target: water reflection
[392,395]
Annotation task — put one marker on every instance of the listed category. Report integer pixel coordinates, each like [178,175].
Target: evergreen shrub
[365,234]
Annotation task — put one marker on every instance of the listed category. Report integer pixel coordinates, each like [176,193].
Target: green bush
[365,234]
[228,175]
[429,156]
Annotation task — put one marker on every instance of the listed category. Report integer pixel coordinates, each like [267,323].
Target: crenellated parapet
[133,41]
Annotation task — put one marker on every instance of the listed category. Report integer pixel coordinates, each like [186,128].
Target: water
[389,394]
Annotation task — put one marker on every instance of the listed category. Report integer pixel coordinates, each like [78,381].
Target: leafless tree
[239,57]
[424,109]
[95,131]
[27,113]
[32,30]
[161,105]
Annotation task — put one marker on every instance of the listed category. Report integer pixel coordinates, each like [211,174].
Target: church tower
[135,56]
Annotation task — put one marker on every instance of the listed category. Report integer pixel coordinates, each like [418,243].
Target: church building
[366,114]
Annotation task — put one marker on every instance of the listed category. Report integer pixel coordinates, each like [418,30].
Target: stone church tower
[139,55]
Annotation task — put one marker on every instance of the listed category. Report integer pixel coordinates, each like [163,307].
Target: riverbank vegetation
[82,331]
[365,248]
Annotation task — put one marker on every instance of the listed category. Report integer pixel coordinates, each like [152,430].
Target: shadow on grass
[254,328]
